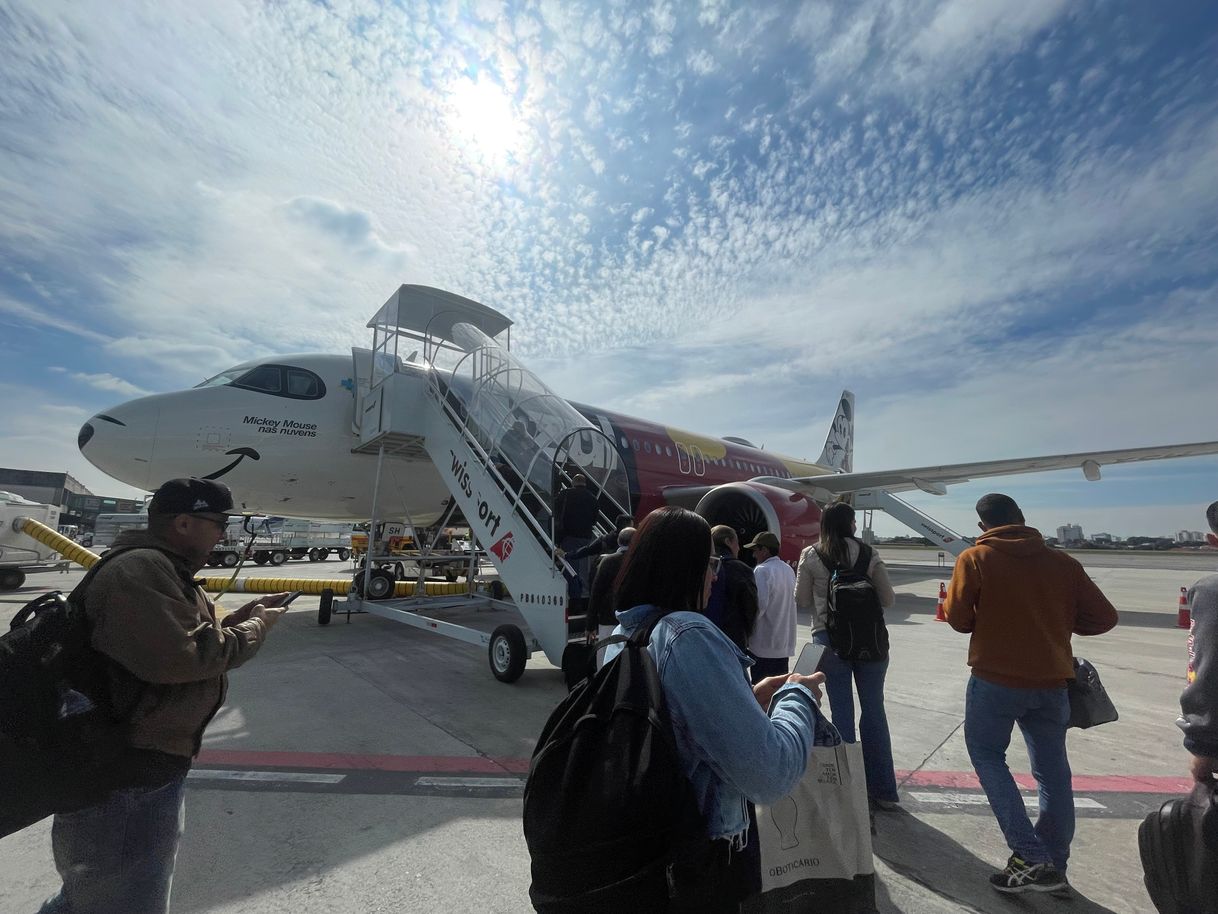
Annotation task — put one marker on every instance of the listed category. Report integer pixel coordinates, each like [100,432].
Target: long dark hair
[836,530]
[666,562]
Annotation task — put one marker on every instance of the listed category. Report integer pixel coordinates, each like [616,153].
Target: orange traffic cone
[1183,617]
[940,615]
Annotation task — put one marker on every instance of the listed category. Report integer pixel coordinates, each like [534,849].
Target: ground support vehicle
[19,555]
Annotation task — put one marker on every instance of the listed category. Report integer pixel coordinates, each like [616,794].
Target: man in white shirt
[772,643]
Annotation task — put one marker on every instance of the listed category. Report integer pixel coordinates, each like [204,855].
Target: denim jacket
[729,748]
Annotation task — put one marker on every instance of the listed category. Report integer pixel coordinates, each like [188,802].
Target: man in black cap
[167,655]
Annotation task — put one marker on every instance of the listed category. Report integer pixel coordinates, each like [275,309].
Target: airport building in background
[77,505]
[1190,536]
[1070,533]
[1104,539]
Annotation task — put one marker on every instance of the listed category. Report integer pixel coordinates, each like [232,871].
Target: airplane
[282,433]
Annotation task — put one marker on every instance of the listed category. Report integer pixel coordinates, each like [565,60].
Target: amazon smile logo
[241,453]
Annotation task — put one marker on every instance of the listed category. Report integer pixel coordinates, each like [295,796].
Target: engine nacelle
[751,507]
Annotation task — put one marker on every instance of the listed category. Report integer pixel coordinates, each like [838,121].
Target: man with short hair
[772,643]
[1033,598]
[601,621]
[1199,703]
[167,655]
[733,599]
[575,513]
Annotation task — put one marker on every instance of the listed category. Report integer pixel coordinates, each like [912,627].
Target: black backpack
[855,619]
[59,735]
[1179,847]
[607,808]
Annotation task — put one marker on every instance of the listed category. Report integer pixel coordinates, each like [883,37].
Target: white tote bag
[816,840]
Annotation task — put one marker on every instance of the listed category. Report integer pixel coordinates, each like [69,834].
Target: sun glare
[483,122]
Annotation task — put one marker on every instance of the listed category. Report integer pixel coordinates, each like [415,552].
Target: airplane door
[697,460]
[684,461]
[361,379]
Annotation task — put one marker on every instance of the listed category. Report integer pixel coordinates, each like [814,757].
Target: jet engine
[751,507]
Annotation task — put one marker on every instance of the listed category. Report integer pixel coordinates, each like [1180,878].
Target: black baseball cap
[191,496]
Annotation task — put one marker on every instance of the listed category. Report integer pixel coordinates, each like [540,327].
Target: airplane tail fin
[839,445]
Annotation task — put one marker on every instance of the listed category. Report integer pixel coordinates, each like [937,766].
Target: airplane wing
[935,479]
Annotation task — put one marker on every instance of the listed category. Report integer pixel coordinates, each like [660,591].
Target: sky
[995,222]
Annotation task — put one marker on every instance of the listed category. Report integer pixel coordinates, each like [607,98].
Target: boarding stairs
[503,445]
[918,521]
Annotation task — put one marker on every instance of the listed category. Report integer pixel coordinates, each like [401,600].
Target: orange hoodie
[1021,601]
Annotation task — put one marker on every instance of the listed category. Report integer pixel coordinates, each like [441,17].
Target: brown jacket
[1022,600]
[161,629]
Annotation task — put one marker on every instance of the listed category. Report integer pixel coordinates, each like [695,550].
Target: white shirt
[774,635]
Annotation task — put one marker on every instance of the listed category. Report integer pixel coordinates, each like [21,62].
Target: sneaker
[1063,890]
[1021,876]
[884,805]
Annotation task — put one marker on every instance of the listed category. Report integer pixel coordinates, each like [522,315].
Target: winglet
[839,445]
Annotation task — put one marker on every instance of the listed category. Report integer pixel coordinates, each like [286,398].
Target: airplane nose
[86,432]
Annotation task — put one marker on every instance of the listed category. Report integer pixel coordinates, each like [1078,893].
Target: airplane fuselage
[290,452]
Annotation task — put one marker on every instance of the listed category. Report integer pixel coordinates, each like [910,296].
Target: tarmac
[371,766]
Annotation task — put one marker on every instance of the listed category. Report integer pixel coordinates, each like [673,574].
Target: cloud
[353,228]
[722,219]
[105,382]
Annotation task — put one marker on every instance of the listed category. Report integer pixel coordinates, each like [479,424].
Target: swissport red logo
[503,548]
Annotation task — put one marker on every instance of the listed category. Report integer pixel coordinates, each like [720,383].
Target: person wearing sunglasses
[732,751]
[165,656]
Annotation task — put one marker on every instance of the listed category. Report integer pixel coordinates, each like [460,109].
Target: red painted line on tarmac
[1083,783]
[478,764]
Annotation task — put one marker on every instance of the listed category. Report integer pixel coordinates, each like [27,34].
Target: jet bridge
[504,444]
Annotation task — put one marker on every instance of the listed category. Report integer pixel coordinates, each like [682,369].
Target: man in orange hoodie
[1021,601]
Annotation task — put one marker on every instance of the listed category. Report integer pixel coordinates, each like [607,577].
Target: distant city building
[1104,538]
[1190,536]
[1070,533]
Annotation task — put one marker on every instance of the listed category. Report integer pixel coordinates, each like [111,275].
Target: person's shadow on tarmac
[930,858]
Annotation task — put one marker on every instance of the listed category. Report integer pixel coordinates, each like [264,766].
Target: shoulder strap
[862,563]
[640,637]
[78,591]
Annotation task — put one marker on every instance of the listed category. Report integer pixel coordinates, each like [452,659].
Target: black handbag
[1090,705]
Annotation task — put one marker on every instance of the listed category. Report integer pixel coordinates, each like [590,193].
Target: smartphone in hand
[809,659]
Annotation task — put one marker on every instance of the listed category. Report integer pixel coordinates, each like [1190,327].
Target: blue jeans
[841,678]
[120,854]
[990,713]
[581,584]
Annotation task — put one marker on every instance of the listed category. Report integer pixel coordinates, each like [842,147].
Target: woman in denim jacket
[733,753]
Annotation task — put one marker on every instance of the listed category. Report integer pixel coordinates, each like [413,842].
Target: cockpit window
[304,384]
[266,378]
[277,380]
[223,379]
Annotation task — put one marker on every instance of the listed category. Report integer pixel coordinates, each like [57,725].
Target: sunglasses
[221,522]
[714,563]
